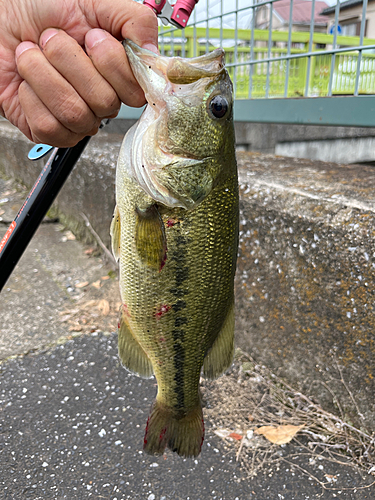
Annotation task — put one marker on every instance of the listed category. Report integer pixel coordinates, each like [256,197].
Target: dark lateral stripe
[179,361]
[179,321]
[177,292]
[181,274]
[179,305]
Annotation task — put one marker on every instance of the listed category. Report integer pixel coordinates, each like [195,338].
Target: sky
[215,7]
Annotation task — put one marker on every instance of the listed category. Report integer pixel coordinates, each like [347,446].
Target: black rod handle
[36,205]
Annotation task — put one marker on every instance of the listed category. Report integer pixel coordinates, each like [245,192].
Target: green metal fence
[251,68]
[283,76]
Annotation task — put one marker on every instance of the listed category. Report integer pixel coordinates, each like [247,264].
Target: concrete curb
[305,277]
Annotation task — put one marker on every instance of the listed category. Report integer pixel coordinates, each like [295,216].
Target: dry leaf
[226,433]
[70,311]
[65,318]
[103,307]
[69,236]
[89,303]
[96,284]
[235,436]
[89,251]
[75,328]
[279,435]
[104,278]
[2,212]
[82,284]
[330,478]
[223,433]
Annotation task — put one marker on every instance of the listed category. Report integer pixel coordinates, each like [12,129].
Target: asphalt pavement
[72,419]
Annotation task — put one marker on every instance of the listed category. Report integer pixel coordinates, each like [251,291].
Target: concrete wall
[305,275]
[347,150]
[340,144]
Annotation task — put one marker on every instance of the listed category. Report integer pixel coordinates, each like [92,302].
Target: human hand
[52,89]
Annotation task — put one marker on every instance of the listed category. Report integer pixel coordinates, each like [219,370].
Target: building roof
[301,11]
[343,5]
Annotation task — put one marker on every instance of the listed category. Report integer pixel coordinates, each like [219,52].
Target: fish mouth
[159,73]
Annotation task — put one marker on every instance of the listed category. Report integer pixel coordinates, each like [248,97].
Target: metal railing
[260,71]
[281,75]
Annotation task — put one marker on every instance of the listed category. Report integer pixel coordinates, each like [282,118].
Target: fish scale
[177,254]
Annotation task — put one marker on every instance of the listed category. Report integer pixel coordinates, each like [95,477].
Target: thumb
[126,19]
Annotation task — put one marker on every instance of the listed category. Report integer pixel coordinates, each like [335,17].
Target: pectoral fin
[150,237]
[116,233]
[220,356]
[132,356]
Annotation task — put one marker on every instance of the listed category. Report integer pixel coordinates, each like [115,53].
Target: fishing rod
[61,163]
[37,203]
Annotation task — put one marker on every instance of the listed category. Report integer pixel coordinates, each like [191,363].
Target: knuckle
[94,129]
[45,129]
[76,116]
[48,130]
[70,140]
[59,137]
[108,105]
[134,97]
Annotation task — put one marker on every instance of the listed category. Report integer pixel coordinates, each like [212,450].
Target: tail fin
[183,435]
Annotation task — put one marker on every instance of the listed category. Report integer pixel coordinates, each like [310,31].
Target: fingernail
[47,35]
[94,37]
[152,47]
[22,47]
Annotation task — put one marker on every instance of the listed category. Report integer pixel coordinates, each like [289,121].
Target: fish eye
[218,106]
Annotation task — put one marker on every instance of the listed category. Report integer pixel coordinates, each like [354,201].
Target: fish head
[187,128]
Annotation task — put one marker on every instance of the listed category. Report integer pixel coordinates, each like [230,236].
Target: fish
[175,234]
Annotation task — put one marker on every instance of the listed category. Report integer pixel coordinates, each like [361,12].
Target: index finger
[109,58]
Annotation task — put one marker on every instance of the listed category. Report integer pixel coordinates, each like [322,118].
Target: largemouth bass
[175,233]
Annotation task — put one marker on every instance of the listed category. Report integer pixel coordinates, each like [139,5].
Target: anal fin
[116,233]
[220,356]
[132,356]
[150,237]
